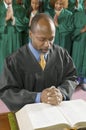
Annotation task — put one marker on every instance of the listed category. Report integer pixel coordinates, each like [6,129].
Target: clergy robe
[64,28]
[79,43]
[23,76]
[12,36]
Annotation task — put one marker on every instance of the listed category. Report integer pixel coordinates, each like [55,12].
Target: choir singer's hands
[51,96]
[9,13]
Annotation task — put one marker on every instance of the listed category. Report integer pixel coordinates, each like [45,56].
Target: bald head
[42,22]
[42,32]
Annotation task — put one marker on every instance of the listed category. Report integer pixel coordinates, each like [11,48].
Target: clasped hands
[51,96]
[9,14]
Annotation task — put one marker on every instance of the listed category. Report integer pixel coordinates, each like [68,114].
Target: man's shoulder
[58,48]
[18,53]
[59,51]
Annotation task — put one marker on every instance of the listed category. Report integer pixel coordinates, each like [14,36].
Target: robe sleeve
[67,24]
[21,21]
[79,23]
[76,33]
[2,20]
[12,91]
[69,82]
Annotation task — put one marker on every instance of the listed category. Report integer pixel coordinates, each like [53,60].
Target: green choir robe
[79,43]
[11,36]
[64,29]
[27,3]
[23,76]
[84,64]
[71,5]
[46,4]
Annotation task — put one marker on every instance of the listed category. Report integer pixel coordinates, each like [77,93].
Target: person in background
[78,6]
[26,3]
[40,71]
[79,43]
[46,4]
[35,8]
[12,22]
[20,2]
[71,5]
[63,20]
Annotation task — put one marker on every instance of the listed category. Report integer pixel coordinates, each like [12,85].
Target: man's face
[35,4]
[8,1]
[43,37]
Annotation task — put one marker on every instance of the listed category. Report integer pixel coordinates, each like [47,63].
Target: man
[13,28]
[24,81]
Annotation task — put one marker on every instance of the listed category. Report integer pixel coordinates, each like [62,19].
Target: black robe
[23,77]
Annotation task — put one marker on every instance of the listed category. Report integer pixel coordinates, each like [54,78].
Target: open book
[41,116]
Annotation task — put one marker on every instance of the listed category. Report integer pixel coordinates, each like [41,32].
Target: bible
[40,116]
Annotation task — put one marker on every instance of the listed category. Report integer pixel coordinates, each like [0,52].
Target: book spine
[12,121]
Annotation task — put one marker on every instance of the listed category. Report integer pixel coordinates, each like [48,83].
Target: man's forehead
[49,27]
[44,31]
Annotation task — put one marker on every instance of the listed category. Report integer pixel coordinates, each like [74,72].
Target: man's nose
[47,43]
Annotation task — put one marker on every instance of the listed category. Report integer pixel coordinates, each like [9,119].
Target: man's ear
[30,34]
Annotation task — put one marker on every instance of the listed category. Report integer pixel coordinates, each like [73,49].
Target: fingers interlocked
[52,96]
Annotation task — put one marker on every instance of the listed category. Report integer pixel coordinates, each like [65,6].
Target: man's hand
[51,96]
